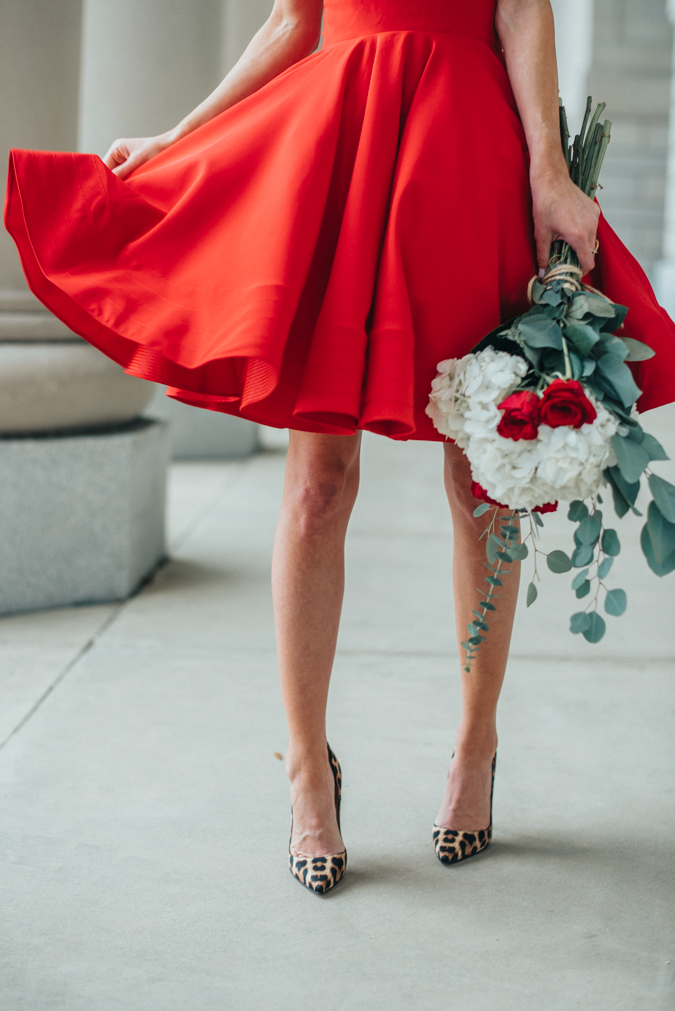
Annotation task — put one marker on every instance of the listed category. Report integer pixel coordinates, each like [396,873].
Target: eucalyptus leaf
[492,547]
[635,434]
[580,622]
[631,458]
[610,543]
[628,490]
[615,346]
[583,590]
[558,561]
[537,519]
[582,336]
[660,568]
[540,333]
[596,627]
[615,602]
[637,351]
[579,579]
[583,555]
[620,377]
[589,367]
[578,511]
[664,496]
[661,533]
[493,581]
[604,567]
[653,447]
[589,530]
[518,552]
[577,365]
[482,508]
[531,594]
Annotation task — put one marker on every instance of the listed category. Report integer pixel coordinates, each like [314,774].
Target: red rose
[479,492]
[520,419]
[565,403]
[550,507]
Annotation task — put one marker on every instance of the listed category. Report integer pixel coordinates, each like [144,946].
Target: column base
[82,515]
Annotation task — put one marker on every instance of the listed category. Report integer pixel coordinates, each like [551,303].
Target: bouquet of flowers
[544,408]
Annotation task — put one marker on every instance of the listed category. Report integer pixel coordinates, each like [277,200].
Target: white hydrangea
[466,391]
[561,463]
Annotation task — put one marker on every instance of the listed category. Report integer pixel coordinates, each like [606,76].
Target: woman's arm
[291,32]
[560,209]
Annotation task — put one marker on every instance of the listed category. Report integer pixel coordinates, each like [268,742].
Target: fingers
[117,154]
[543,238]
[580,241]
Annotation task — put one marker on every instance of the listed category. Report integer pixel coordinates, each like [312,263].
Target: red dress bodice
[351,19]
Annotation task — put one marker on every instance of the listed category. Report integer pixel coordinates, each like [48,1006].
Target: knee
[323,500]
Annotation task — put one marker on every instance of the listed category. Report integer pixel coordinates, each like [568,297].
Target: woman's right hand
[127,154]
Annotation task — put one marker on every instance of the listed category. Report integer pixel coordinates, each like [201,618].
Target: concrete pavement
[145,817]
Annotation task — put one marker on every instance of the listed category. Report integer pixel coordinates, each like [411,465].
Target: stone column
[145,64]
[574,42]
[59,478]
[664,272]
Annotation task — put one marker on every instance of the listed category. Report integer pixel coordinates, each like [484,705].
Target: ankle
[306,763]
[476,742]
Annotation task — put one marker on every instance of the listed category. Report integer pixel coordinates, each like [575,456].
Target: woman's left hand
[562,211]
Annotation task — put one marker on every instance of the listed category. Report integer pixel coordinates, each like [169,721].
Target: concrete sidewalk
[145,817]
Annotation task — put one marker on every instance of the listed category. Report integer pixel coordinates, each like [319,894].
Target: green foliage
[637,351]
[661,533]
[631,458]
[610,542]
[578,511]
[582,555]
[615,602]
[623,493]
[482,508]
[589,529]
[659,568]
[596,627]
[664,496]
[558,561]
[580,622]
[584,589]
[604,567]
[531,594]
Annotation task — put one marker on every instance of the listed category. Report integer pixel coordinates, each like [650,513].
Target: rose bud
[520,419]
[565,403]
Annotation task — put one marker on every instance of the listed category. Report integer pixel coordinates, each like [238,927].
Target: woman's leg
[320,486]
[466,804]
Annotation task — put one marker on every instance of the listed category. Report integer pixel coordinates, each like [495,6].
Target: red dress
[308,256]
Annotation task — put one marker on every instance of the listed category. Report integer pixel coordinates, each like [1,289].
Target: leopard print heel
[452,845]
[321,874]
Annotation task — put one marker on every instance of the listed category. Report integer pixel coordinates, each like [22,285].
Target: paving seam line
[195,523]
[117,610]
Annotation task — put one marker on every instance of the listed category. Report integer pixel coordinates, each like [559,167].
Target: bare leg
[320,487]
[466,804]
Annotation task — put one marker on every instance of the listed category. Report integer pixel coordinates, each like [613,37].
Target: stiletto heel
[453,845]
[320,874]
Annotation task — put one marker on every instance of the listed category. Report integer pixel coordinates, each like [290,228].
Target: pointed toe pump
[453,845]
[321,874]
